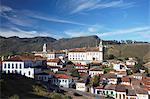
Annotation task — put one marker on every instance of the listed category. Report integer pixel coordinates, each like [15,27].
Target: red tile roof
[125,79]
[110,87]
[24,58]
[79,64]
[95,69]
[56,60]
[100,87]
[62,76]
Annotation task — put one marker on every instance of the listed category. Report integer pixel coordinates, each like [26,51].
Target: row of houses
[127,88]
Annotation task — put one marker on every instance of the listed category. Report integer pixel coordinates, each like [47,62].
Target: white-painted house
[131,62]
[63,80]
[95,71]
[88,55]
[81,86]
[55,62]
[20,65]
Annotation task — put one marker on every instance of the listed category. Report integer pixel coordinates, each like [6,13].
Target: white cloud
[84,5]
[58,20]
[98,4]
[89,30]
[23,17]
[5,9]
[21,33]
[126,31]
[143,32]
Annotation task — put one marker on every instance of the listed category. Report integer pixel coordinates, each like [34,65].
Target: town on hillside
[83,72]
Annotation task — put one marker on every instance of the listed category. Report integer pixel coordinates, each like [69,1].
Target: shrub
[14,97]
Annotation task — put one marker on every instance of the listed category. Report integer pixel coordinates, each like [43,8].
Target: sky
[108,19]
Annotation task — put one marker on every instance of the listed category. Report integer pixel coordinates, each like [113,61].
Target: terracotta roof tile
[110,87]
[62,76]
[56,60]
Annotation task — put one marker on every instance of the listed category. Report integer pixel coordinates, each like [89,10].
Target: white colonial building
[79,55]
[62,80]
[21,66]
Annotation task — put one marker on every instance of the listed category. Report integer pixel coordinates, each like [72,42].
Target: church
[86,55]
[50,54]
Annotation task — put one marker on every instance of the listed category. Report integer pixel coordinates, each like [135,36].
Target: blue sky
[108,19]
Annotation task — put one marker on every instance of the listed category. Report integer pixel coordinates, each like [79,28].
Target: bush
[129,72]
[74,73]
[111,56]
[56,96]
[14,97]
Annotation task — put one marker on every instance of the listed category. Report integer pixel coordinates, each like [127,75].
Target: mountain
[15,44]
[76,42]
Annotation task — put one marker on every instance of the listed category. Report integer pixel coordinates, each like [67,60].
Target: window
[16,65]
[29,73]
[20,66]
[8,65]
[8,71]
[5,65]
[39,78]
[20,72]
[12,65]
[107,92]
[112,92]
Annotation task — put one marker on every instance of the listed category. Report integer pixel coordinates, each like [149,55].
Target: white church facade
[50,54]
[92,54]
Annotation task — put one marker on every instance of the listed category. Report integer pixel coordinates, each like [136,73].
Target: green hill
[141,51]
[20,87]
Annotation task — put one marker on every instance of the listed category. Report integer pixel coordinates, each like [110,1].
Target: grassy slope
[19,85]
[131,50]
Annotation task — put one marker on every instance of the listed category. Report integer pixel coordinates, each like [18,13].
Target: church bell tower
[101,46]
[44,48]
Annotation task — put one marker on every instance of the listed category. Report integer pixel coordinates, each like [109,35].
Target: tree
[56,96]
[74,73]
[138,66]
[95,81]
[111,56]
[14,97]
[129,72]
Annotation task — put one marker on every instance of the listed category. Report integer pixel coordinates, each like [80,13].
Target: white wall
[142,96]
[80,86]
[92,73]
[86,56]
[76,56]
[63,82]
[18,67]
[51,56]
